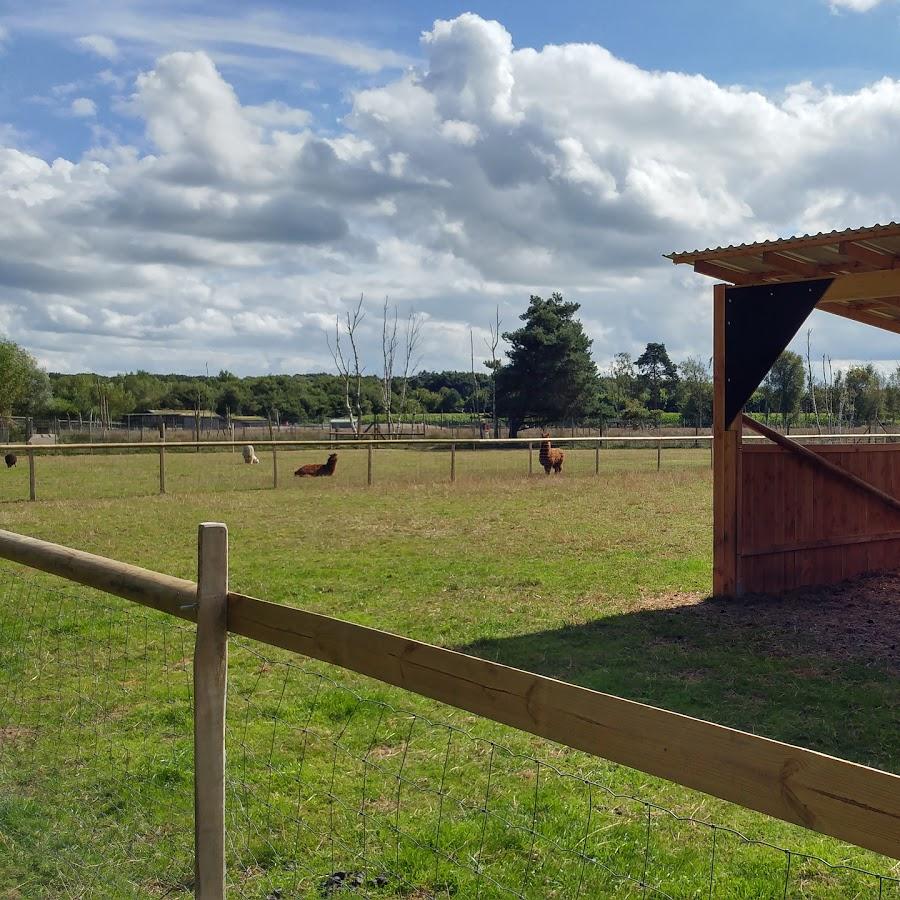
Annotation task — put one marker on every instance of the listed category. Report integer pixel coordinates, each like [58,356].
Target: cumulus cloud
[83,107]
[855,5]
[99,45]
[487,174]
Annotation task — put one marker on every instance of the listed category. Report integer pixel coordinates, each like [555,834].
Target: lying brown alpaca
[314,470]
[548,457]
[10,459]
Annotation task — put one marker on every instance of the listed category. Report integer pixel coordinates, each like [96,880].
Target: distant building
[181,418]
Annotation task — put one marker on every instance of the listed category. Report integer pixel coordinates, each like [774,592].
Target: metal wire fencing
[335,790]
[336,785]
[67,473]
[96,795]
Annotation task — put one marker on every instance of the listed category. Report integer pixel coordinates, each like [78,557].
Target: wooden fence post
[274,466]
[210,681]
[658,455]
[162,458]
[453,462]
[369,461]
[530,456]
[597,459]
[32,495]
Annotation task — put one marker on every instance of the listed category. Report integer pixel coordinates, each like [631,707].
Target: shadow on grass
[819,669]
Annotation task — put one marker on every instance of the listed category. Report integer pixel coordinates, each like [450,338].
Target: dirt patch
[855,621]
[14,734]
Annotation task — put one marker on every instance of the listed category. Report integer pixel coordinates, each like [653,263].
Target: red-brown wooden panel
[800,525]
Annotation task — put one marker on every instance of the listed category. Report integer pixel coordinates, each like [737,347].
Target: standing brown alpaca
[314,470]
[10,459]
[548,457]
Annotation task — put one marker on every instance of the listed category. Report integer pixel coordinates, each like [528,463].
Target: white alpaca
[250,456]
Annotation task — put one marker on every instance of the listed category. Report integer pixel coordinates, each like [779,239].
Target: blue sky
[228,177]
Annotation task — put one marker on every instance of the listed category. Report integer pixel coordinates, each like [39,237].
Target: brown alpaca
[548,457]
[315,470]
[10,459]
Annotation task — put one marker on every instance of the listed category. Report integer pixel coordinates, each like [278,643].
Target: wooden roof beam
[861,253]
[723,272]
[790,264]
[865,316]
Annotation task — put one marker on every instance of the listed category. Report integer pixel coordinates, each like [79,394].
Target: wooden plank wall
[801,526]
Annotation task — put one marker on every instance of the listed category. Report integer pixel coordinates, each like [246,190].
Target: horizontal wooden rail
[832,796]
[429,442]
[817,459]
[163,592]
[366,442]
[822,544]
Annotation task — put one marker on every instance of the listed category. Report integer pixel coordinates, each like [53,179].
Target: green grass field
[602,581]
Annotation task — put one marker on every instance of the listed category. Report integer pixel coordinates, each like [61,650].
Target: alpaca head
[332,460]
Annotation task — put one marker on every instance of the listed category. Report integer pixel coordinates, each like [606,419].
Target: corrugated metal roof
[853,251]
[891,229]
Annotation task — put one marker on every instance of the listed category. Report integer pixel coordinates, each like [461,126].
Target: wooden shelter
[786,515]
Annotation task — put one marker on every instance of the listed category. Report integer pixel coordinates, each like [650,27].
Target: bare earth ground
[855,621]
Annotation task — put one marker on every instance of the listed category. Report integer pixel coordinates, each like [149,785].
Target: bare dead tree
[812,384]
[389,355]
[476,409]
[494,366]
[412,336]
[348,365]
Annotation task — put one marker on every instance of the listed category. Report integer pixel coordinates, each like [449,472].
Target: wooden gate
[800,523]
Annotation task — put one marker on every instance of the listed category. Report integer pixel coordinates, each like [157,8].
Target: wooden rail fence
[452,444]
[832,796]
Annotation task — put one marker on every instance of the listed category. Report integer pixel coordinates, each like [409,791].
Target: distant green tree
[865,388]
[450,400]
[657,375]
[695,392]
[24,385]
[550,376]
[621,382]
[785,385]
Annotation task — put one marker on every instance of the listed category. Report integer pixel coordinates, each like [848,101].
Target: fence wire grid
[333,788]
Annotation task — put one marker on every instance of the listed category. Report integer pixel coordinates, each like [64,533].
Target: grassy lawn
[602,581]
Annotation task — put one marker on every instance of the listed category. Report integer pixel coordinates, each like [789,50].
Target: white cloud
[489,174]
[100,45]
[859,6]
[83,107]
[276,114]
[156,28]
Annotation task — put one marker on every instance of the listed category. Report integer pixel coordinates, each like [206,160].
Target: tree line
[548,377]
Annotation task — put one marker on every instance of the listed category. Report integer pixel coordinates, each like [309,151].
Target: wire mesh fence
[63,474]
[335,784]
[96,795]
[334,789]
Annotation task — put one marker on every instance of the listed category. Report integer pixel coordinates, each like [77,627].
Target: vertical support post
[210,681]
[726,462]
[32,493]
[597,459]
[162,459]
[369,461]
[658,455]
[453,462]
[530,457]
[274,466]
